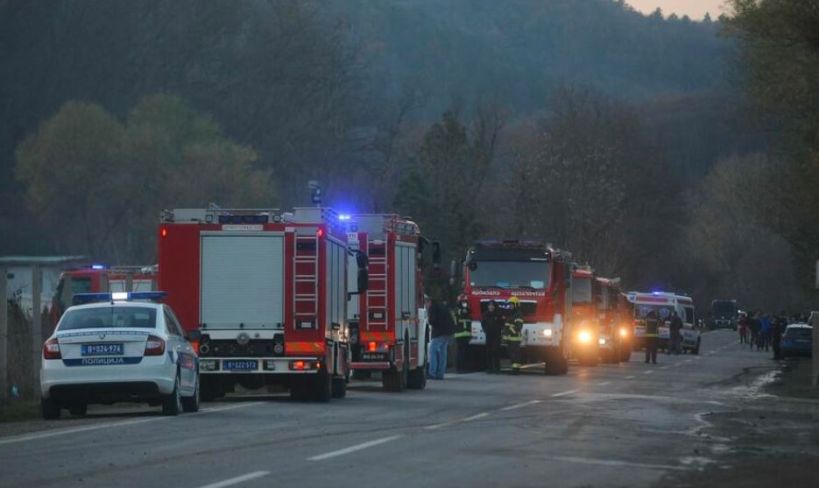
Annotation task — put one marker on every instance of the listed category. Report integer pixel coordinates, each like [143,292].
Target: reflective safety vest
[513,330]
[464,322]
[652,328]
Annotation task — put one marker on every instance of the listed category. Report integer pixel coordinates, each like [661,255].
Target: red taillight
[300,365]
[163,232]
[154,346]
[51,349]
[372,346]
[320,233]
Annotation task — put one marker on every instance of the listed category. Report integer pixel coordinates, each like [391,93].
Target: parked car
[118,347]
[797,340]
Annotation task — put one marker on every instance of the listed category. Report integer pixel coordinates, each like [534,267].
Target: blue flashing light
[97,266]
[344,217]
[656,293]
[84,298]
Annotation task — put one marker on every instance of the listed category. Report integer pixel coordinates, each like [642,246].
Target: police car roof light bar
[84,298]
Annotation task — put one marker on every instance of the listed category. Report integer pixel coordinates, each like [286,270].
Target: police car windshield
[109,317]
[511,274]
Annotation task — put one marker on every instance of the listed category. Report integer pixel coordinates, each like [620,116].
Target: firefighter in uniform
[512,333]
[652,335]
[463,334]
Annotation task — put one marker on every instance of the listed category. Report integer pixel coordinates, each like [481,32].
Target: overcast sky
[693,8]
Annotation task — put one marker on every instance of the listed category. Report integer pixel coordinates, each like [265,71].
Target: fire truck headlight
[584,336]
[602,341]
[623,332]
[547,332]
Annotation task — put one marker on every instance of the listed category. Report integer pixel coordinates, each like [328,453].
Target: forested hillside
[448,110]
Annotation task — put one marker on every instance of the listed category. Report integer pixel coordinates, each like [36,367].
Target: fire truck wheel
[417,378]
[339,387]
[557,365]
[322,387]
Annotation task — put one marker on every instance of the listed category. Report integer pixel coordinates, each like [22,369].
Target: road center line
[605,383]
[476,417]
[630,377]
[237,480]
[519,405]
[357,447]
[648,372]
[564,393]
[86,428]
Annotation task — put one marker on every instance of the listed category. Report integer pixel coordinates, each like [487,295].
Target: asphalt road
[630,424]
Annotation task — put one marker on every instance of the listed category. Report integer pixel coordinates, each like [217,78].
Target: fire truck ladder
[377,292]
[305,271]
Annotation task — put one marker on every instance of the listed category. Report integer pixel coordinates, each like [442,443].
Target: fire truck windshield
[511,274]
[582,290]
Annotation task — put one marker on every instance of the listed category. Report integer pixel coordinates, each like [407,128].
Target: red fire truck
[540,276]
[388,327]
[265,294]
[98,278]
[587,339]
[615,321]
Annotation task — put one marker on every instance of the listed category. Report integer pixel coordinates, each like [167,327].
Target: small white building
[19,276]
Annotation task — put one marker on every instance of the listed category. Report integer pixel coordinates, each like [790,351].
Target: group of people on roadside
[500,328]
[762,331]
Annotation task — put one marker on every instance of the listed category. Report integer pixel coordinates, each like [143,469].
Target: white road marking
[437,426]
[476,417]
[519,405]
[664,367]
[648,372]
[564,393]
[86,428]
[614,462]
[237,480]
[357,447]
[604,383]
[630,377]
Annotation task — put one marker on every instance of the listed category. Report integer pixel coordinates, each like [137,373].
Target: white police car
[118,347]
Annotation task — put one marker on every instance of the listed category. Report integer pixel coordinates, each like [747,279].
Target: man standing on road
[779,325]
[443,326]
[754,325]
[492,323]
[676,332]
[463,334]
[512,333]
[652,336]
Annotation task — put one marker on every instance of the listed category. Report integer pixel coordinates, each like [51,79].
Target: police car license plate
[101,350]
[240,365]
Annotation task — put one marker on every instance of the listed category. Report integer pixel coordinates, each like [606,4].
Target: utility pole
[4,335]
[36,325]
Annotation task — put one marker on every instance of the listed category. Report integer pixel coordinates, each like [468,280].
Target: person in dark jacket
[443,326]
[492,323]
[676,332]
[754,325]
[652,335]
[779,326]
[463,334]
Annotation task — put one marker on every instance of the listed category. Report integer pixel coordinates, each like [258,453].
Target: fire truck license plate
[235,365]
[101,350]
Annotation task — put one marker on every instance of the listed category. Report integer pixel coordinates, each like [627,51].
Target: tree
[99,184]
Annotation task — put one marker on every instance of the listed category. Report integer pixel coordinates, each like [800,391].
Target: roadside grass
[19,410]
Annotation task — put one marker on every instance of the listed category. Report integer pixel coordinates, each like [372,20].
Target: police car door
[181,351]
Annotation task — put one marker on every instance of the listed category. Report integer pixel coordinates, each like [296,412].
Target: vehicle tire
[557,366]
[78,409]
[625,354]
[191,404]
[321,387]
[339,387]
[391,380]
[299,392]
[417,378]
[172,404]
[50,408]
[696,350]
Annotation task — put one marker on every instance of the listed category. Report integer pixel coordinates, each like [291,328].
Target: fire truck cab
[540,277]
[615,336]
[98,278]
[587,340]
[388,324]
[265,295]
